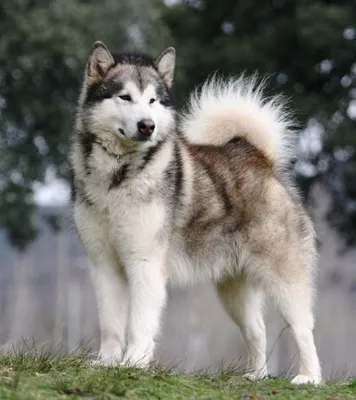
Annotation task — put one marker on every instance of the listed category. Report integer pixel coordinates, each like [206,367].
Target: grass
[45,377]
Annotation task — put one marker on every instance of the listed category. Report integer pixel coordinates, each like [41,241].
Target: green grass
[45,377]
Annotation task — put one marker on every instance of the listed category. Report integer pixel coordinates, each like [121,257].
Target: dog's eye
[152,101]
[125,97]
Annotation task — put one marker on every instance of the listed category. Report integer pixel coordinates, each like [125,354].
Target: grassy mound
[45,377]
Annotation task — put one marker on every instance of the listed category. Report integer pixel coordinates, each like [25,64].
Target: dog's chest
[127,200]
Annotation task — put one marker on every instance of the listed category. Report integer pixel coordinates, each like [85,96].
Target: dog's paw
[138,354]
[255,376]
[136,361]
[107,360]
[137,358]
[101,362]
[304,379]
[95,363]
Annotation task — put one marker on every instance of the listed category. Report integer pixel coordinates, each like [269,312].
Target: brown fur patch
[230,179]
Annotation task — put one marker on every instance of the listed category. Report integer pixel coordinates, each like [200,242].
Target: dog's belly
[203,265]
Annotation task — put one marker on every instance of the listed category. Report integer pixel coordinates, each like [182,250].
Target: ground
[44,377]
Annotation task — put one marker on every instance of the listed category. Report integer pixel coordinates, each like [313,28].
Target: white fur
[222,110]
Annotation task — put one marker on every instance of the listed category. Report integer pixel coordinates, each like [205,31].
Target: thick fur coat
[208,201]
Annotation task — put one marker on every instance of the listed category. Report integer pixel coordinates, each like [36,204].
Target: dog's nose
[146,126]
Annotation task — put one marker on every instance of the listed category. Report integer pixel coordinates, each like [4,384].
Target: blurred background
[309,50]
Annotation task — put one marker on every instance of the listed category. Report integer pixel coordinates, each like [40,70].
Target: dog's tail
[225,109]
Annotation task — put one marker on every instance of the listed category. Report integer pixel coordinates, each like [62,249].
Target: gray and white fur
[208,202]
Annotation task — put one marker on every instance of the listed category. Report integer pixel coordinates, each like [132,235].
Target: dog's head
[128,95]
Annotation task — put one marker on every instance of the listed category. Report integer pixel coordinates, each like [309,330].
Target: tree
[43,49]
[309,49]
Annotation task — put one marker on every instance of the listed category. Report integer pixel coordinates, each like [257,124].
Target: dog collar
[119,157]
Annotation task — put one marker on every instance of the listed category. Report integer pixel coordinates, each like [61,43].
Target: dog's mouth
[139,137]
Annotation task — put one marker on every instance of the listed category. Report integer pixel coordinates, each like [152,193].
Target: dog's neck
[111,145]
[116,150]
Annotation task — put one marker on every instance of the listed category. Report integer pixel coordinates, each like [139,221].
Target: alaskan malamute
[209,200]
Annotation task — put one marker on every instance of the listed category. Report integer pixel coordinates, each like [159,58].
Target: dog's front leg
[147,285]
[110,284]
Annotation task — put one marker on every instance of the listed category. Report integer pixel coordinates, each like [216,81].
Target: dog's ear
[99,62]
[165,64]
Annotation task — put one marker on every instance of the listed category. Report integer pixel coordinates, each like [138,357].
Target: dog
[206,197]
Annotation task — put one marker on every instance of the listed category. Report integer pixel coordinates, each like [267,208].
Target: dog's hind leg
[244,303]
[294,301]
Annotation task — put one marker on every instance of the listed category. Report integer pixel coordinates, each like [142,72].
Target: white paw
[255,376]
[104,362]
[136,361]
[303,379]
[108,359]
[137,357]
[96,363]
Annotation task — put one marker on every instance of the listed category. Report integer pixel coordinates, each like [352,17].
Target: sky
[53,192]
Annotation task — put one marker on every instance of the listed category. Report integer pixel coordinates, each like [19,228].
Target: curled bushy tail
[224,109]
